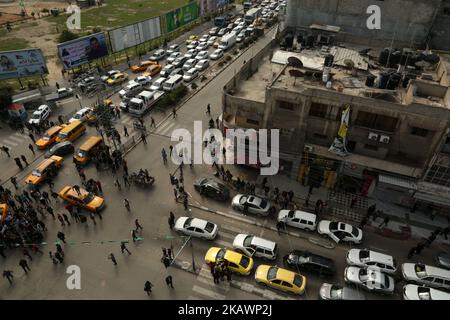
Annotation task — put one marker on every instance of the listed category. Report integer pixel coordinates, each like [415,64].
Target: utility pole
[192,251]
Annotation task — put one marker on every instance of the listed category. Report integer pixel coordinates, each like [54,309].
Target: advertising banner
[80,51]
[339,144]
[134,34]
[22,63]
[181,16]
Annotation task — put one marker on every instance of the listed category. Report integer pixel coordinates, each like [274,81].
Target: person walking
[419,248]
[153,122]
[143,138]
[445,232]
[171,220]
[216,275]
[30,146]
[92,216]
[24,264]
[148,287]
[61,220]
[50,184]
[123,248]
[208,109]
[138,225]
[59,257]
[353,202]
[134,235]
[126,181]
[24,160]
[174,113]
[363,223]
[61,236]
[66,218]
[8,274]
[385,222]
[14,182]
[125,131]
[166,261]
[280,227]
[126,203]
[169,281]
[77,189]
[170,150]
[57,85]
[32,137]
[185,203]
[5,149]
[164,155]
[52,257]
[18,163]
[99,186]
[59,249]
[27,254]
[50,211]
[112,258]
[117,184]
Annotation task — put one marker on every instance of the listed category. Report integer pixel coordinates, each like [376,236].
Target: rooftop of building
[422,82]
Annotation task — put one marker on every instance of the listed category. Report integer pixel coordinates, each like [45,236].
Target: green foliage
[194,86]
[228,58]
[45,10]
[96,30]
[66,35]
[171,99]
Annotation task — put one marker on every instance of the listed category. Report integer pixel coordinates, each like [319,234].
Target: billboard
[80,51]
[209,6]
[181,16]
[134,34]
[22,63]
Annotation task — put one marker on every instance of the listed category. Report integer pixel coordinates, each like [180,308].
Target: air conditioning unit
[384,139]
[373,136]
[308,148]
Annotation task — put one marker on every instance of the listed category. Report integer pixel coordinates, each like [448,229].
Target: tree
[66,35]
[5,99]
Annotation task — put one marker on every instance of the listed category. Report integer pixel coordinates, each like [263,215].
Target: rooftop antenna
[392,44]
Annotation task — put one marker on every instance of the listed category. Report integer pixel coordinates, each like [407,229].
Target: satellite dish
[296,74]
[349,63]
[295,62]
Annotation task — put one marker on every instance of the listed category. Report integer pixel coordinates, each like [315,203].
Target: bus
[251,15]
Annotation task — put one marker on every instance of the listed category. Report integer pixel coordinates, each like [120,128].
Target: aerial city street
[224,150]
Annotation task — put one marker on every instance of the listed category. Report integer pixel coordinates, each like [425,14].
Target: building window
[370,147]
[320,136]
[376,121]
[339,114]
[419,131]
[251,121]
[318,110]
[439,175]
[286,105]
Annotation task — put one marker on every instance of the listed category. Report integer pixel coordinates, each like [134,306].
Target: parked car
[237,262]
[415,292]
[370,279]
[310,262]
[213,31]
[340,231]
[202,55]
[202,65]
[141,67]
[192,45]
[85,82]
[191,53]
[158,55]
[157,85]
[195,227]
[174,56]
[298,219]
[81,115]
[443,260]
[60,149]
[280,279]
[42,113]
[117,78]
[108,75]
[173,48]
[217,54]
[212,189]
[165,72]
[176,71]
[337,292]
[427,275]
[254,246]
[143,80]
[190,63]
[367,258]
[222,32]
[252,204]
[152,70]
[178,62]
[211,41]
[202,46]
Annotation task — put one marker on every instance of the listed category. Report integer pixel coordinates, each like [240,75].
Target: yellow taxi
[281,279]
[108,103]
[85,199]
[192,38]
[236,262]
[117,78]
[47,169]
[153,70]
[48,138]
[3,211]
[143,66]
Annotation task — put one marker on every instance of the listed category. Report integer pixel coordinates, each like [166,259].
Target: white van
[251,246]
[173,82]
[426,275]
[298,219]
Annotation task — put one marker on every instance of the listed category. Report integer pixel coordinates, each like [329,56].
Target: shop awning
[432,199]
[397,181]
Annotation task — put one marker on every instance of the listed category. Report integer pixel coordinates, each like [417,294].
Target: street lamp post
[193,260]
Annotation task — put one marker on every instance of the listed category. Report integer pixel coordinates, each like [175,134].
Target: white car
[365,258]
[340,231]
[240,37]
[143,80]
[202,65]
[202,55]
[211,40]
[253,246]
[427,275]
[157,55]
[173,48]
[189,64]
[415,292]
[204,38]
[252,204]
[173,56]
[158,84]
[193,45]
[108,75]
[81,115]
[370,279]
[191,53]
[217,54]
[165,72]
[190,75]
[41,114]
[298,219]
[85,82]
[195,227]
[202,46]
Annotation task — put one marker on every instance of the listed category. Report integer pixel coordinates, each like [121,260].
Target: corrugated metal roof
[404,183]
[309,61]
[342,54]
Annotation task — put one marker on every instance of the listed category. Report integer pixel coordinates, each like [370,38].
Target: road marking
[208,293]
[223,243]
[20,135]
[16,139]
[194,298]
[65,101]
[159,129]
[213,285]
[9,143]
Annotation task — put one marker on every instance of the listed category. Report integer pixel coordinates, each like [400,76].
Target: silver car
[251,204]
[371,279]
[336,292]
[195,227]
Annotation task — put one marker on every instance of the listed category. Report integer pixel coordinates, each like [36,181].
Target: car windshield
[77,116]
[81,153]
[220,254]
[209,227]
[245,261]
[46,137]
[272,273]
[88,198]
[187,223]
[355,232]
[386,282]
[243,200]
[62,135]
[420,270]
[336,292]
[333,226]
[36,116]
[248,241]
[363,255]
[298,280]
[36,173]
[423,293]
[263,204]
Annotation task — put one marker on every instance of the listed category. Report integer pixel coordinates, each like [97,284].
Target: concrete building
[407,21]
[398,136]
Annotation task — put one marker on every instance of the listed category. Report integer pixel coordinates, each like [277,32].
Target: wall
[440,37]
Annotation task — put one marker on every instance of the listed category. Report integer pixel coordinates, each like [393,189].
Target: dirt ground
[32,6]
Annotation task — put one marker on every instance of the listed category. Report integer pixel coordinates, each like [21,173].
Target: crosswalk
[16,139]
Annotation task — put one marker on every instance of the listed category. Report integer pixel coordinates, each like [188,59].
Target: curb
[186,266]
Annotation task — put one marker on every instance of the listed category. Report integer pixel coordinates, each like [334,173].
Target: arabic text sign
[22,63]
[181,16]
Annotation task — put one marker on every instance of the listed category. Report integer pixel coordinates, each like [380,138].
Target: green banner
[181,16]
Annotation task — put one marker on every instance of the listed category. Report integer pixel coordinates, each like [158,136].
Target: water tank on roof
[406,78]
[394,81]
[329,59]
[394,59]
[370,80]
[383,80]
[384,54]
[310,41]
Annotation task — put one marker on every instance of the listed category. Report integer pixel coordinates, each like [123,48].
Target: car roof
[254,200]
[285,275]
[263,242]
[381,257]
[318,259]
[198,223]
